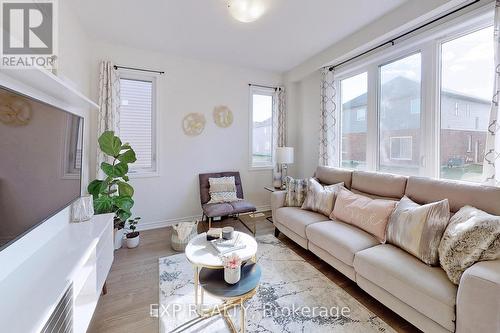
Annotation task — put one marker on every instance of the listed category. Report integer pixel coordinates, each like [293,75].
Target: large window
[354,99]
[399,126]
[421,106]
[262,127]
[466,89]
[137,121]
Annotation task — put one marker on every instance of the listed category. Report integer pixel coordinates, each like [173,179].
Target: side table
[271,189]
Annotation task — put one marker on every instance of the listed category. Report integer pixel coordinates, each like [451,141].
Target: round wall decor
[15,112]
[223,116]
[193,124]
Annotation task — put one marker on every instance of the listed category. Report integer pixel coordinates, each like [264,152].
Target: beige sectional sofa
[421,294]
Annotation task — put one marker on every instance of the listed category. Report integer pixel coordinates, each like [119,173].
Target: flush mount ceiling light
[246,10]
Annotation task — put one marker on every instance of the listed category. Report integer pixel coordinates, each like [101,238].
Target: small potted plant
[132,235]
[232,268]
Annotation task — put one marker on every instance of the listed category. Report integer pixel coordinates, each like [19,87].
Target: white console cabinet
[80,254]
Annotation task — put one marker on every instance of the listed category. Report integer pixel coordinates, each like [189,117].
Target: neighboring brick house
[464,121]
[262,138]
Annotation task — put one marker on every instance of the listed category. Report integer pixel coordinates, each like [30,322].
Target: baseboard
[170,222]
[166,223]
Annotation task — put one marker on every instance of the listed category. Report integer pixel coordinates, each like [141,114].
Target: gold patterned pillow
[295,192]
[418,229]
[321,199]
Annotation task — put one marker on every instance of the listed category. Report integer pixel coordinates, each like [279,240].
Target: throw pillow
[222,184]
[295,191]
[418,229]
[321,199]
[222,189]
[368,214]
[472,235]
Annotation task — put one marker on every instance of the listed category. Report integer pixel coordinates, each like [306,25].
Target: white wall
[402,19]
[73,66]
[191,86]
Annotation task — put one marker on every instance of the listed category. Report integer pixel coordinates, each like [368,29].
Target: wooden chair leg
[276,232]
[104,289]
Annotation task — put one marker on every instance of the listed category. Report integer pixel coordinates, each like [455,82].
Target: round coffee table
[212,282]
[201,254]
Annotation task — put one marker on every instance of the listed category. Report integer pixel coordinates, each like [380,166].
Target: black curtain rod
[261,86]
[331,68]
[140,69]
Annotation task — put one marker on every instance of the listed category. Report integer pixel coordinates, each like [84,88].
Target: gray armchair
[227,208]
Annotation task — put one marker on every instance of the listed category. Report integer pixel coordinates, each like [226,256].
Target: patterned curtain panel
[491,169]
[279,129]
[109,103]
[328,122]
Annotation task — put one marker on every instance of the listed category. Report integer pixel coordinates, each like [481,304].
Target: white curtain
[109,103]
[491,170]
[279,129]
[328,120]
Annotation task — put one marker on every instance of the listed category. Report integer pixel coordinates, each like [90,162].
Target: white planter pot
[133,242]
[118,238]
[232,275]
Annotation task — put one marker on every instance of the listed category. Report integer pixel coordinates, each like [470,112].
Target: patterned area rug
[293,297]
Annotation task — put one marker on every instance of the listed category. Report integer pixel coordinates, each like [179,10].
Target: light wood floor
[133,282]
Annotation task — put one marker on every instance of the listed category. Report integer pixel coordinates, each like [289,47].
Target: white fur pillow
[472,235]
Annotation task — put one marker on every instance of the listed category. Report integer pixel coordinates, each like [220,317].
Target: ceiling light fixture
[246,10]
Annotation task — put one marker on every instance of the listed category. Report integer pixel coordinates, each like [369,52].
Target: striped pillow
[296,190]
[222,189]
[321,199]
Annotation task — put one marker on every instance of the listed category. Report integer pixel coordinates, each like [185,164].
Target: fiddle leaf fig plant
[114,194]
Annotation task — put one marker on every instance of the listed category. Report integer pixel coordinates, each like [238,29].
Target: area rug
[293,297]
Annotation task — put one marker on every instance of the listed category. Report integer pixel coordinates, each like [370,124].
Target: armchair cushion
[217,209]
[242,206]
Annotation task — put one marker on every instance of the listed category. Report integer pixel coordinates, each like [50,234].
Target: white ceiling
[288,33]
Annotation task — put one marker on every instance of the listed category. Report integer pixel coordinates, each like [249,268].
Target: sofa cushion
[339,239]
[418,229]
[425,288]
[379,184]
[319,198]
[329,176]
[425,190]
[297,219]
[368,214]
[295,193]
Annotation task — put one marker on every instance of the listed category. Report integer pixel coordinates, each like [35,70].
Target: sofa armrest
[277,201]
[478,298]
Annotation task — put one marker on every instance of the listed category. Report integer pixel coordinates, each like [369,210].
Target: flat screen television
[40,163]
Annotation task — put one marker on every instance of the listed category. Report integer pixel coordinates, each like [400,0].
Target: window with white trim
[137,120]
[401,148]
[261,131]
[427,100]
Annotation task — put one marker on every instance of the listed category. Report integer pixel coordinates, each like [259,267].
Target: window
[415,106]
[73,148]
[137,121]
[427,101]
[399,86]
[353,105]
[467,83]
[262,127]
[401,148]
